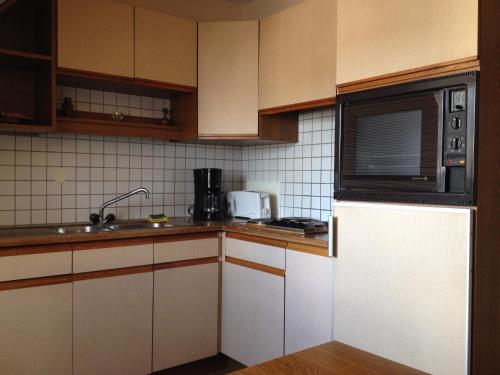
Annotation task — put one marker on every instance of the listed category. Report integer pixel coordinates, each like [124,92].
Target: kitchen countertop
[331,358]
[45,235]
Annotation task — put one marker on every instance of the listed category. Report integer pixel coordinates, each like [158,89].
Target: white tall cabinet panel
[186,307]
[308,300]
[112,325]
[228,78]
[35,330]
[401,283]
[252,314]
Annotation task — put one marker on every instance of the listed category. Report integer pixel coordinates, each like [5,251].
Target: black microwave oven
[412,142]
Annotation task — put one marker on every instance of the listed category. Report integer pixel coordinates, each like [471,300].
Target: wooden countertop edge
[13,246]
[330,358]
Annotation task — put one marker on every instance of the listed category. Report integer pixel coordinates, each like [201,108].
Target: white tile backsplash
[97,168]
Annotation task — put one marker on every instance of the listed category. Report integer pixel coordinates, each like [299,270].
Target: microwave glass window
[389,144]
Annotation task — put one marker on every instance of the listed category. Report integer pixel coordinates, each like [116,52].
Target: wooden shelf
[104,124]
[25,55]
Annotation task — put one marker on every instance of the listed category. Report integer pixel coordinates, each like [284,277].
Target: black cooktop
[296,224]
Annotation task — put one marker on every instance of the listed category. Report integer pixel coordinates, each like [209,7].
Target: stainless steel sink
[138,225]
[76,229]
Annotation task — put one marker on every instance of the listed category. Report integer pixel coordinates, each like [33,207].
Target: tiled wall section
[304,170]
[97,169]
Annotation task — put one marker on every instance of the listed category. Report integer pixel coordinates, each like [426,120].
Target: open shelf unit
[27,65]
[183,107]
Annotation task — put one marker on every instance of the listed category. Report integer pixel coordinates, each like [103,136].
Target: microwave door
[393,143]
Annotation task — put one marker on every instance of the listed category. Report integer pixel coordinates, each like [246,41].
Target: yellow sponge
[160,218]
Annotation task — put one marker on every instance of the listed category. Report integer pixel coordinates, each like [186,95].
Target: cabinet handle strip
[185,263]
[256,266]
[257,239]
[38,281]
[28,250]
[309,249]
[111,273]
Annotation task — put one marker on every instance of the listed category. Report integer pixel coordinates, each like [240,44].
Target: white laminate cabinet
[165,47]
[35,330]
[228,54]
[112,324]
[186,309]
[253,303]
[402,283]
[297,56]
[96,36]
[308,300]
[387,36]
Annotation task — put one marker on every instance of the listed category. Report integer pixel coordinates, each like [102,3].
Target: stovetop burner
[301,225]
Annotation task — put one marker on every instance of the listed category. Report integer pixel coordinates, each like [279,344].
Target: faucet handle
[109,218]
[94,218]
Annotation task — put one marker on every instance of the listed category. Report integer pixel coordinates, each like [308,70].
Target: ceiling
[216,10]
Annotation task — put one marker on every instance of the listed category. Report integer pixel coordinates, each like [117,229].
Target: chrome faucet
[103,220]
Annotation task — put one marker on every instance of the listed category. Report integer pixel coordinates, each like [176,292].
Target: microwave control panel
[455,128]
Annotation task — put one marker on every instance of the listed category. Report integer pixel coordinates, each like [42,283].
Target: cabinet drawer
[272,256]
[97,257]
[173,251]
[15,266]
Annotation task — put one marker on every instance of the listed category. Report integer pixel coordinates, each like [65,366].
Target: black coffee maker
[208,197]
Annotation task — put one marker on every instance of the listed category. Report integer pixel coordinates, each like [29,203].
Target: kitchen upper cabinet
[112,324]
[308,299]
[228,79]
[35,330]
[253,298]
[96,36]
[165,48]
[186,301]
[297,60]
[387,36]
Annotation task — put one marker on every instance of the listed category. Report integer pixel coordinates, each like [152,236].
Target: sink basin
[76,229]
[138,225]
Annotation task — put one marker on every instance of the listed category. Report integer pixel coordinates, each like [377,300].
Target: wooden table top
[331,358]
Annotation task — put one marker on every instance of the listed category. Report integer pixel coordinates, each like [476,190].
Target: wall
[98,168]
[303,170]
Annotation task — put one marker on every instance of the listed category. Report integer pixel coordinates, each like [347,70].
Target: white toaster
[249,204]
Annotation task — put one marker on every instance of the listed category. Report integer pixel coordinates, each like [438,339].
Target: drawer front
[187,249]
[255,252]
[89,260]
[28,266]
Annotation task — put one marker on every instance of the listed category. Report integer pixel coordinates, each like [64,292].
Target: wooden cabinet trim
[257,239]
[255,266]
[112,273]
[28,250]
[299,106]
[310,249]
[39,281]
[186,237]
[112,243]
[185,263]
[449,67]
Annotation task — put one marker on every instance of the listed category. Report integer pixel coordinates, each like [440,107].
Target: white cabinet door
[308,300]
[228,86]
[112,324]
[186,309]
[401,283]
[252,314]
[297,55]
[35,330]
[375,38]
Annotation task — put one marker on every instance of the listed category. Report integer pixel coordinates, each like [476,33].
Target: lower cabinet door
[308,300]
[112,324]
[252,314]
[185,314]
[35,330]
